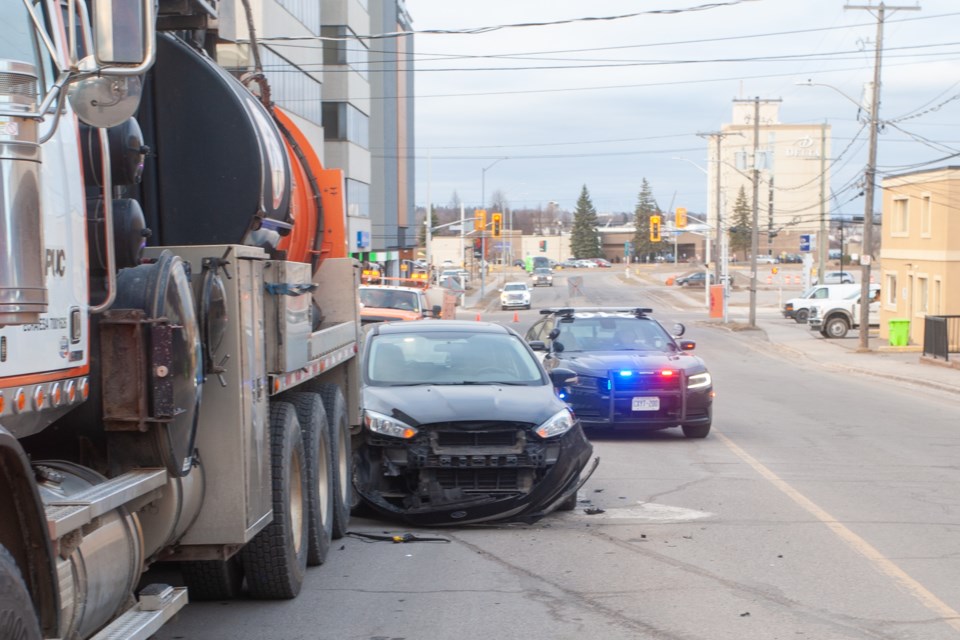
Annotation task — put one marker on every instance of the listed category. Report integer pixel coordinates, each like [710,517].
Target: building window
[358,199]
[891,289]
[344,49]
[290,87]
[925,221]
[901,217]
[343,121]
[935,300]
[922,293]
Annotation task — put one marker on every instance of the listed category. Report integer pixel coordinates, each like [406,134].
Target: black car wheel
[801,316]
[696,430]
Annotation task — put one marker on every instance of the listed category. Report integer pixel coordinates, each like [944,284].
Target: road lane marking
[858,544]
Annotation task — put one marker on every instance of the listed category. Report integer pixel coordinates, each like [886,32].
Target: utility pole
[823,243]
[755,231]
[428,236]
[719,136]
[871,172]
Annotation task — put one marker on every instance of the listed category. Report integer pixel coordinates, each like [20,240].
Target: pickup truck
[834,318]
[798,308]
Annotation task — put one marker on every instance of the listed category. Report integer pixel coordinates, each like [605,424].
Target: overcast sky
[607,103]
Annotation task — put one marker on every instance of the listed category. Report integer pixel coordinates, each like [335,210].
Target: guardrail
[941,336]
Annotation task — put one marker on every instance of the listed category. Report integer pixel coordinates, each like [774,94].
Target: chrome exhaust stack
[23,294]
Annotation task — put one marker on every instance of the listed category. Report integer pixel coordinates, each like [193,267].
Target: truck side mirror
[119,28]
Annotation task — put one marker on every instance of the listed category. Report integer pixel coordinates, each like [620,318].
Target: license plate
[646,404]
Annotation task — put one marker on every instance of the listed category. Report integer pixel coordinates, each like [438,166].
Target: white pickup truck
[833,318]
[798,308]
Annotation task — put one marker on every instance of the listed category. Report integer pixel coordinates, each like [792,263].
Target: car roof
[390,287]
[574,312]
[435,326]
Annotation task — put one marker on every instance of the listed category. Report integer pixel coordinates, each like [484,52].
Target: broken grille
[479,480]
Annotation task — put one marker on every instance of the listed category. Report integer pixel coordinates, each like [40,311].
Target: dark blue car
[631,372]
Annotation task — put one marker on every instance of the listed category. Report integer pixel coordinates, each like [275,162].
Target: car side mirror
[538,345]
[687,345]
[561,376]
[553,333]
[437,310]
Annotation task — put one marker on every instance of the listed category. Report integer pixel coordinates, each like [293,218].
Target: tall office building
[392,210]
[794,170]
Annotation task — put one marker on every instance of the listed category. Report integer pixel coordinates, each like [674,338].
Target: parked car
[766,259]
[799,308]
[601,262]
[461,424]
[631,372]
[836,277]
[569,264]
[695,279]
[586,264]
[515,294]
[542,277]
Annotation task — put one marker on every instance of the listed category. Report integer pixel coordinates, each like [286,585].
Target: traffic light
[654,228]
[497,224]
[681,218]
[480,220]
[543,245]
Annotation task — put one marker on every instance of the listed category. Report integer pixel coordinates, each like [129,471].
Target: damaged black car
[462,424]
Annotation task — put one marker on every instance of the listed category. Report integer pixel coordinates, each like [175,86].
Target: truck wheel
[213,579]
[17,619]
[695,430]
[836,327]
[316,444]
[276,559]
[801,316]
[342,456]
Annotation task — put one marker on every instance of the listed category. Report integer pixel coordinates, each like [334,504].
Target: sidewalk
[906,365]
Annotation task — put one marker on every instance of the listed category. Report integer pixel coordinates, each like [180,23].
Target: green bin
[899,332]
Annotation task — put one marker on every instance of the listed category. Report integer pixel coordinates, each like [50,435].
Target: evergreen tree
[741,231]
[643,248]
[584,237]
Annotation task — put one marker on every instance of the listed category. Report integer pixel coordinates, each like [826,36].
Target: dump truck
[178,325]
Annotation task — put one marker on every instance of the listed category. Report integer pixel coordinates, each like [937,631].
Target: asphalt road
[823,506]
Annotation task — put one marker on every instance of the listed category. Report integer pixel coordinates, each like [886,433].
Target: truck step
[64,516]
[157,604]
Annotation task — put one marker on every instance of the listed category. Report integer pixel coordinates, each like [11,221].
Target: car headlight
[699,381]
[559,424]
[387,426]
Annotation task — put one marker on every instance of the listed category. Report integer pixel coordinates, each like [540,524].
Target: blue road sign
[805,242]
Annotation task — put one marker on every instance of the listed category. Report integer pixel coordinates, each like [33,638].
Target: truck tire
[213,579]
[836,327]
[342,460]
[275,561]
[801,316]
[695,430]
[17,619]
[316,444]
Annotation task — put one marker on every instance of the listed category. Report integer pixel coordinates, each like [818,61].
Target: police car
[631,372]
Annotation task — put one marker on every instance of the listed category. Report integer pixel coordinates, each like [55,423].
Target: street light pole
[755,232]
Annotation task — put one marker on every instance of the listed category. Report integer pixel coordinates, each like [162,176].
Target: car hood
[428,404]
[600,362]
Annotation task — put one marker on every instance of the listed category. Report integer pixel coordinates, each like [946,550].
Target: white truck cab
[834,318]
[798,308]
